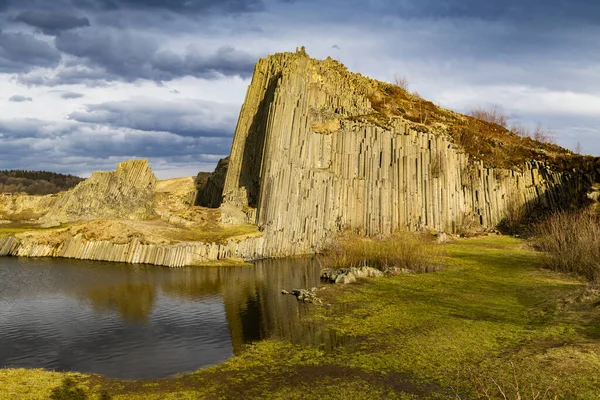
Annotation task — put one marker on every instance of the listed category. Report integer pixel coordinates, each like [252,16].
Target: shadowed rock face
[127,192]
[210,187]
[312,156]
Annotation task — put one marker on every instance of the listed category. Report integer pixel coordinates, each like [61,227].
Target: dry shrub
[401,82]
[571,241]
[415,252]
[544,136]
[538,134]
[520,131]
[492,116]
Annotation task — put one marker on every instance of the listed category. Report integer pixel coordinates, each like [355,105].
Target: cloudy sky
[85,84]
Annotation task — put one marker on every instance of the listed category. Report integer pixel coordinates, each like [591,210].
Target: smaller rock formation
[127,192]
[210,187]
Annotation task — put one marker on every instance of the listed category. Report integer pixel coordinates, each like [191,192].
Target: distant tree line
[36,182]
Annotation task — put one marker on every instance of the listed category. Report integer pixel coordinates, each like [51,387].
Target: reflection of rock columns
[254,307]
[133,301]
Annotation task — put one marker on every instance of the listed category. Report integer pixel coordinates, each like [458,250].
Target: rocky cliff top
[359,98]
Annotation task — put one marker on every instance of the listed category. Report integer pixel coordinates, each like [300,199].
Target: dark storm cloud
[560,11]
[176,6]
[91,77]
[22,52]
[127,56]
[232,6]
[190,118]
[19,99]
[97,142]
[52,22]
[72,146]
[29,128]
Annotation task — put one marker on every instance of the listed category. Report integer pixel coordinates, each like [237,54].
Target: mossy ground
[492,316]
[15,228]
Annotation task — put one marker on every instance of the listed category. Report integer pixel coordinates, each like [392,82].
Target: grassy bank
[493,322]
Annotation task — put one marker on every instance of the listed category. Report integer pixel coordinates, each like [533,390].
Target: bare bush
[539,134]
[401,82]
[544,136]
[521,131]
[493,116]
[571,241]
[415,252]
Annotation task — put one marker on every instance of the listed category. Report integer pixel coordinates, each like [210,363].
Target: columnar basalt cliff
[312,155]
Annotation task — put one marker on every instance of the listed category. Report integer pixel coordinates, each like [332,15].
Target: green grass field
[493,325]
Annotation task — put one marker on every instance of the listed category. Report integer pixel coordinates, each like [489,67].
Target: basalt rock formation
[210,187]
[318,150]
[123,216]
[127,192]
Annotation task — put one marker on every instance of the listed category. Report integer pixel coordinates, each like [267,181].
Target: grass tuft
[415,252]
[571,241]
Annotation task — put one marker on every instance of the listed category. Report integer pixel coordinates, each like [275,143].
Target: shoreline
[414,336]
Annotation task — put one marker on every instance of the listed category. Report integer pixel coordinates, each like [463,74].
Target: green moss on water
[493,318]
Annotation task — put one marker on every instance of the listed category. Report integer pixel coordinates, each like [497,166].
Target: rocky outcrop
[312,157]
[210,188]
[127,192]
[26,207]
[349,275]
[134,251]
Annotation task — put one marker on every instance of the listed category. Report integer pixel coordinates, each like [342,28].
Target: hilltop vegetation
[36,182]
[484,134]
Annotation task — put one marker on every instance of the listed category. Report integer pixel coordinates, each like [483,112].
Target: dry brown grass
[571,241]
[415,252]
[483,136]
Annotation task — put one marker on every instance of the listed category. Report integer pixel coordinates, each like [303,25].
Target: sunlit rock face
[127,192]
[312,156]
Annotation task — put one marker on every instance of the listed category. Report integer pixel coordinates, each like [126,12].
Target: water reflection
[133,301]
[144,321]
